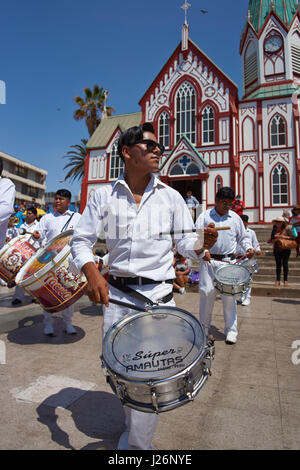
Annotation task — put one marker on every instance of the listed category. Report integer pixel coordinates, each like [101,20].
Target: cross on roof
[185,7]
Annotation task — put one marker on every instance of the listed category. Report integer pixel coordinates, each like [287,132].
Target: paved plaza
[54,395]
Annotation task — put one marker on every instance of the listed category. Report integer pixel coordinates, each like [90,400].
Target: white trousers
[208,295]
[66,314]
[140,426]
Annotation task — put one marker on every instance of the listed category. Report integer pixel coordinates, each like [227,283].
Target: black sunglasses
[151,145]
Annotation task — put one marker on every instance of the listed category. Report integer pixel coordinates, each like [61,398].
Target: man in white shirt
[49,227]
[138,213]
[192,203]
[7,199]
[30,225]
[220,254]
[245,298]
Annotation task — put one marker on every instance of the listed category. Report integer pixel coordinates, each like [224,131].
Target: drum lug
[120,391]
[188,386]
[154,397]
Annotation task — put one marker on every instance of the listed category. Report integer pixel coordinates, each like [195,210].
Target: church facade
[213,138]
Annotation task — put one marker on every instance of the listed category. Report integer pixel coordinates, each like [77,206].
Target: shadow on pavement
[30,331]
[98,415]
[287,301]
[93,310]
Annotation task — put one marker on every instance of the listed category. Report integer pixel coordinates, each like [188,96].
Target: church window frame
[185,112]
[208,125]
[116,164]
[277,131]
[164,129]
[280,185]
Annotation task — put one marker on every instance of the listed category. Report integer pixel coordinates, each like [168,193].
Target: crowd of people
[146,263]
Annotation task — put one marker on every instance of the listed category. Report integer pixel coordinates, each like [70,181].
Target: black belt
[230,255]
[135,281]
[123,287]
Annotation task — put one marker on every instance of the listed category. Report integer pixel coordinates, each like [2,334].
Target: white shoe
[48,330]
[182,290]
[246,302]
[231,338]
[70,330]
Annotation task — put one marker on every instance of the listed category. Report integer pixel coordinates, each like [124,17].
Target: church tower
[269,156]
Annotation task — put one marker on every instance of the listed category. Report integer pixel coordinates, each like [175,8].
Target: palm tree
[92,107]
[77,160]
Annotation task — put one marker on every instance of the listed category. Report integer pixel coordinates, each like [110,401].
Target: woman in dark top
[280,232]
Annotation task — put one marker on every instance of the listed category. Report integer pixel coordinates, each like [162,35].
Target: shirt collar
[153,183]
[214,212]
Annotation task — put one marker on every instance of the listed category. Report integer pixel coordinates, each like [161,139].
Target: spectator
[286,215]
[182,268]
[238,205]
[295,223]
[281,231]
[19,212]
[11,231]
[192,203]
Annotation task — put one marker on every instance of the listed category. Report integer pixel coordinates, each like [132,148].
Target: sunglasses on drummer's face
[151,145]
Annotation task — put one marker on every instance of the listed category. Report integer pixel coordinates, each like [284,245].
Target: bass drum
[13,256]
[50,276]
[157,360]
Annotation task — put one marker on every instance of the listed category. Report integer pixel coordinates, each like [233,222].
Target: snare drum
[156,361]
[232,279]
[250,264]
[13,256]
[50,276]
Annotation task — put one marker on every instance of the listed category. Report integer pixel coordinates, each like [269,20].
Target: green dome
[259,9]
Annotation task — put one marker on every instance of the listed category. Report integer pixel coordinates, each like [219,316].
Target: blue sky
[51,50]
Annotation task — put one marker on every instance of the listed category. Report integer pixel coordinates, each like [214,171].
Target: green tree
[92,106]
[77,161]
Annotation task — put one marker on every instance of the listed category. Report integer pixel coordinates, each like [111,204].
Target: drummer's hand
[250,253]
[210,236]
[258,253]
[36,234]
[97,288]
[206,257]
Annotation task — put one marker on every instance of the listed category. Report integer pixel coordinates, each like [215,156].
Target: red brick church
[212,137]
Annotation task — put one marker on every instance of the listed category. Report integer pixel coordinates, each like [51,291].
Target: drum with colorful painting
[13,256]
[51,277]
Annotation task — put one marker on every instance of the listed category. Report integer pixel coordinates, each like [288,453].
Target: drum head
[42,258]
[144,346]
[232,274]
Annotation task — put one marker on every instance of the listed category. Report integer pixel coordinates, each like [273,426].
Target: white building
[29,180]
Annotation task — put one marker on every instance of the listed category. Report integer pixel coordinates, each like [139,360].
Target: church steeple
[185,28]
[259,10]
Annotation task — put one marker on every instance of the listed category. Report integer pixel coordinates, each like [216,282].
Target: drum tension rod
[154,397]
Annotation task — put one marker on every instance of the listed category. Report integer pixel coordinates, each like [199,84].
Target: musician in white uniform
[133,211]
[221,253]
[7,199]
[246,297]
[30,225]
[50,226]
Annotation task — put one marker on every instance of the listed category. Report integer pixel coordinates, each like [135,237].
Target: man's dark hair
[132,135]
[32,209]
[1,166]
[225,193]
[244,217]
[64,193]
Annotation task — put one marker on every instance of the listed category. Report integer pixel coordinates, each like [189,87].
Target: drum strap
[138,295]
[67,223]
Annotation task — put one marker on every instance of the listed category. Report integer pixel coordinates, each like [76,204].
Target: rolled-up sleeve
[86,232]
[183,222]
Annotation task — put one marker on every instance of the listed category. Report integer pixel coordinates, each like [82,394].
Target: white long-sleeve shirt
[51,225]
[30,228]
[7,199]
[228,239]
[132,233]
[253,240]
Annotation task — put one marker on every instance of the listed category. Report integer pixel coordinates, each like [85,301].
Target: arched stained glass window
[164,129]
[279,185]
[278,134]
[208,125]
[186,112]
[116,163]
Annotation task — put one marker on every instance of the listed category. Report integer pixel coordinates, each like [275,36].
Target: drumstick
[23,232]
[128,305]
[191,231]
